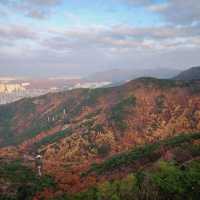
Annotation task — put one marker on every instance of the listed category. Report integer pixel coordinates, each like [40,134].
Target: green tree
[128,187]
[115,197]
[170,180]
[106,191]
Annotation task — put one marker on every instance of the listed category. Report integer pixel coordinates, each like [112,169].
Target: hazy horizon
[135,72]
[41,38]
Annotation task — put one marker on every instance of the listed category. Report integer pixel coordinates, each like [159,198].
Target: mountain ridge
[127,74]
[192,73]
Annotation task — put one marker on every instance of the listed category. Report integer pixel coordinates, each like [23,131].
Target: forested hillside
[90,139]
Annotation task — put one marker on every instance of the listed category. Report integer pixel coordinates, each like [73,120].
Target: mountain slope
[190,74]
[167,169]
[53,112]
[77,128]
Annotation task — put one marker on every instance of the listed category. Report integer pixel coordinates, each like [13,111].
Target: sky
[79,37]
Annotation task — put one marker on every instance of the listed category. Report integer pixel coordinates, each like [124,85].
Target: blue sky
[85,36]
[109,13]
[99,12]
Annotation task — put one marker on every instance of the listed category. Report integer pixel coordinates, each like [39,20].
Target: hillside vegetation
[89,136]
[166,180]
[18,182]
[163,170]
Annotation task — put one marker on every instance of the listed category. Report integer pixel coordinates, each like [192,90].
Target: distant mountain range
[123,75]
[192,73]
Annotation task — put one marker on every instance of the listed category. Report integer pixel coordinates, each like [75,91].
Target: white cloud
[174,11]
[179,11]
[38,9]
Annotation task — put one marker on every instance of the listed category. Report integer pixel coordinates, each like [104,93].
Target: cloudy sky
[57,37]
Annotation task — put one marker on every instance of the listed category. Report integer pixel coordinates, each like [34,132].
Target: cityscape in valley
[99,100]
[13,89]
[16,88]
